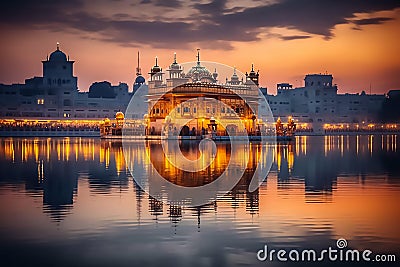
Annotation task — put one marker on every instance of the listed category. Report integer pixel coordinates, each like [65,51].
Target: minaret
[155,69]
[138,69]
[139,80]
[156,72]
[198,56]
[176,75]
[253,75]
[174,69]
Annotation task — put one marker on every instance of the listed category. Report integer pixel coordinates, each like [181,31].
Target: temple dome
[139,80]
[119,115]
[199,72]
[58,55]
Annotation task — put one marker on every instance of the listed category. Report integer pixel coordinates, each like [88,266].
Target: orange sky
[357,58]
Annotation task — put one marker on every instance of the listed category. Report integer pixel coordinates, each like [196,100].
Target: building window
[67,102]
[194,110]
[40,101]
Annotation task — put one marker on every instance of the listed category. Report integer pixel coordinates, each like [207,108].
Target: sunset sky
[356,41]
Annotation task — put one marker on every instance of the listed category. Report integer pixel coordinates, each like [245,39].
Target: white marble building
[318,101]
[56,95]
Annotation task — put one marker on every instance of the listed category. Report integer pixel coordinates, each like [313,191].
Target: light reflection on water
[72,201]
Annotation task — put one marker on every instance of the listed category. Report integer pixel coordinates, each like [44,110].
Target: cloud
[212,8]
[25,12]
[163,3]
[371,21]
[214,25]
[309,16]
[294,37]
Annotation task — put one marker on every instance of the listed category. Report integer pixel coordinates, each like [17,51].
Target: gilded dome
[199,72]
[119,115]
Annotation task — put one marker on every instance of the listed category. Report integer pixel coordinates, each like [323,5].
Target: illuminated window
[40,101]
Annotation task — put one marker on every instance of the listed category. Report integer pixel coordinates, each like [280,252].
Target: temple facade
[199,101]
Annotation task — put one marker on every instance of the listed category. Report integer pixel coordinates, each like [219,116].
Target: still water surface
[72,202]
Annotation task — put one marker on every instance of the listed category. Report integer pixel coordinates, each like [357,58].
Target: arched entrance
[184,131]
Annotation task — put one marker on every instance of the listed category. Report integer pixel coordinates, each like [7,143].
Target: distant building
[56,94]
[318,101]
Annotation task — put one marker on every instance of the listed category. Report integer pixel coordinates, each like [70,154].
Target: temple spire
[175,58]
[58,46]
[156,61]
[198,56]
[138,70]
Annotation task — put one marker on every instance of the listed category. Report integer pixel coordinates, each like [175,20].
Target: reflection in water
[319,189]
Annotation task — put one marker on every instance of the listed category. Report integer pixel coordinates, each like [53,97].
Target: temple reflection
[53,168]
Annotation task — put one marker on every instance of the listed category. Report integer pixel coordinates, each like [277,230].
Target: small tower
[253,76]
[175,69]
[139,80]
[215,75]
[234,78]
[176,75]
[156,70]
[58,71]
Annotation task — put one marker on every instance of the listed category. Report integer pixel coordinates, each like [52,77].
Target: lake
[73,202]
